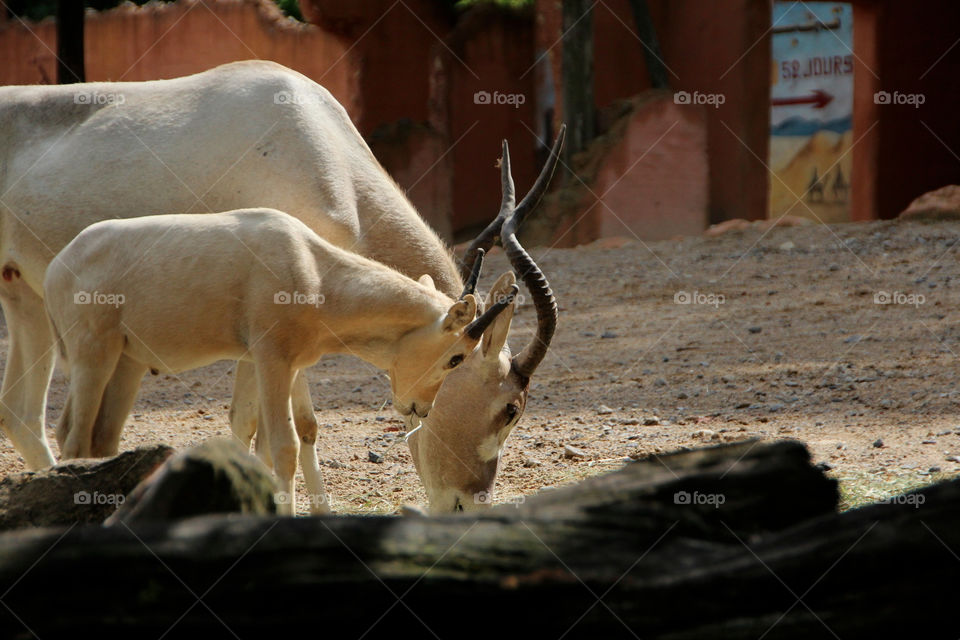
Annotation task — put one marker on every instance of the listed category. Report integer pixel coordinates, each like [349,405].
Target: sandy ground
[783,337]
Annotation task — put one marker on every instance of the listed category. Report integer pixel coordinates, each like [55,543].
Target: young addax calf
[174,292]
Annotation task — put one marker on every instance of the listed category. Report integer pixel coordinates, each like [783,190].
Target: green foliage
[290,8]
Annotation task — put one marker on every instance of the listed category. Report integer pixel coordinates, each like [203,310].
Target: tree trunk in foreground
[715,543]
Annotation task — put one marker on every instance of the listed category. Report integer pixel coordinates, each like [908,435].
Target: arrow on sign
[818,100]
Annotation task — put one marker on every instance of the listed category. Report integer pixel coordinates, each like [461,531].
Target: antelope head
[424,356]
[457,449]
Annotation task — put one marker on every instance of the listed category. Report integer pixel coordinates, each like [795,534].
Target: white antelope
[176,292]
[216,141]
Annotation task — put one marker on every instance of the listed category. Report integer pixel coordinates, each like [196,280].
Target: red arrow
[819,100]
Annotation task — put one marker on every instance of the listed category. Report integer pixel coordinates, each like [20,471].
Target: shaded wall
[391,50]
[908,48]
[489,52]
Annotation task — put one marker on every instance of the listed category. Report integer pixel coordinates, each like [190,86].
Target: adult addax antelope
[457,454]
[214,141]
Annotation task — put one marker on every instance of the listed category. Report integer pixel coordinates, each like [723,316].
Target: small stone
[530,463]
[608,334]
[953,458]
[754,329]
[824,466]
[333,464]
[374,457]
[682,396]
[878,443]
[652,421]
[786,246]
[833,267]
[660,382]
[604,410]
[929,442]
[570,451]
[934,469]
[705,434]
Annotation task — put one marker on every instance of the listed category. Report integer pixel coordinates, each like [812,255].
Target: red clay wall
[170,40]
[905,150]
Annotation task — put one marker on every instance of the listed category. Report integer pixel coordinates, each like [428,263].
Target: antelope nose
[413,407]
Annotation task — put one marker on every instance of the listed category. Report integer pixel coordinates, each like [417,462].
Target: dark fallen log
[75,491]
[218,476]
[593,560]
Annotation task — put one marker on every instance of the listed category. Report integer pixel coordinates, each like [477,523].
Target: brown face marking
[9,273]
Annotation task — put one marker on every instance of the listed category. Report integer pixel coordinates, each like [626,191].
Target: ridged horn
[475,329]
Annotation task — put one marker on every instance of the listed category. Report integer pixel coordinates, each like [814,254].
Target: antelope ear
[461,313]
[426,281]
[496,334]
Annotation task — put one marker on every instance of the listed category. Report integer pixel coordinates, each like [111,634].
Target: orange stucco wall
[171,40]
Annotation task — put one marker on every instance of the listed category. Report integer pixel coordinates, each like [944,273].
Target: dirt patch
[843,336]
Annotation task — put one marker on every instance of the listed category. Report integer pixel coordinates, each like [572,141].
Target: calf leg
[275,382]
[306,424]
[118,399]
[23,396]
[91,368]
[244,405]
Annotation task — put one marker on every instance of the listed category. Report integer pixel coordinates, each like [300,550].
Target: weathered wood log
[554,566]
[752,487]
[75,491]
[218,476]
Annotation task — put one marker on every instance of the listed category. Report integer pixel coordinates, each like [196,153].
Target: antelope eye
[512,411]
[454,361]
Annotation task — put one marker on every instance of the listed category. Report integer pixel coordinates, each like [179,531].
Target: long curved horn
[530,357]
[475,329]
[532,199]
[471,285]
[488,237]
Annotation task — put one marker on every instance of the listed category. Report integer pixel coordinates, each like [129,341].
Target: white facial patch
[489,448]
